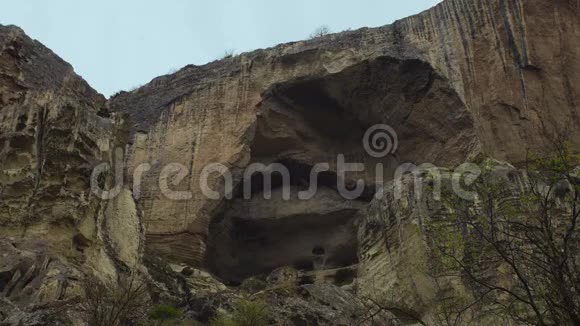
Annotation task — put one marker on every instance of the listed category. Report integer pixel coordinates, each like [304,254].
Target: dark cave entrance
[307,121]
[255,235]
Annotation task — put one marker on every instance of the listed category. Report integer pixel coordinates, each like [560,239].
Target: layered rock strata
[54,130]
[495,78]
[465,79]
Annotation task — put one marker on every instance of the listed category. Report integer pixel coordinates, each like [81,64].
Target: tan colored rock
[54,130]
[462,79]
[123,228]
[401,264]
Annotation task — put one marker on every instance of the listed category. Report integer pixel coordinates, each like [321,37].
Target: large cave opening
[309,121]
[255,235]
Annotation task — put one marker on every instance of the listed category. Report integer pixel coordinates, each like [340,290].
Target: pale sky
[119,44]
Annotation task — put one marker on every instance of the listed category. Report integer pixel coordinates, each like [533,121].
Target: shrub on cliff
[246,312]
[165,313]
[123,303]
[320,32]
[507,254]
[520,256]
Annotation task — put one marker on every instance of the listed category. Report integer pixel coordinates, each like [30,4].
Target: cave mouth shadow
[306,121]
[242,246]
[300,180]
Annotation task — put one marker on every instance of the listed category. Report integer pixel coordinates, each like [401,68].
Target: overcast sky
[119,44]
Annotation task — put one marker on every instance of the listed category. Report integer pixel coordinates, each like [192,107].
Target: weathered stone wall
[491,76]
[53,230]
[466,78]
[401,264]
[514,62]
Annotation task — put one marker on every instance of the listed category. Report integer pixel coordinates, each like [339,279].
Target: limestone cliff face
[400,260]
[494,77]
[513,62]
[396,258]
[53,230]
[465,79]
[49,126]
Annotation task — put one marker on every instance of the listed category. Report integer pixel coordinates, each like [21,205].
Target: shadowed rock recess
[462,81]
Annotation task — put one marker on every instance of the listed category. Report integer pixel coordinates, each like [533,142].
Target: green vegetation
[509,254]
[517,243]
[164,313]
[246,312]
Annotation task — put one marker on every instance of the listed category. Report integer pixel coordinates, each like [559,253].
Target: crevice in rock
[5,278]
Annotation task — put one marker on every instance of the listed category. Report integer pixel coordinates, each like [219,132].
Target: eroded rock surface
[494,78]
[257,236]
[400,262]
[463,80]
[54,130]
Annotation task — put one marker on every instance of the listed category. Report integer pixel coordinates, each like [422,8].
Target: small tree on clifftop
[320,32]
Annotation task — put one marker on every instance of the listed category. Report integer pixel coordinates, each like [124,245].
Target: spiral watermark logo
[380,140]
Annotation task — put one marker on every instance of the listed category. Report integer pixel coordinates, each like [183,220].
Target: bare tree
[114,305]
[519,252]
[229,53]
[510,256]
[320,32]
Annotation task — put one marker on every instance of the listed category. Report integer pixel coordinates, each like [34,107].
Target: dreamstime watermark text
[379,142]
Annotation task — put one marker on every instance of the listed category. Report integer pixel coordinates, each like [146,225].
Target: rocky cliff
[466,78]
[461,81]
[54,131]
